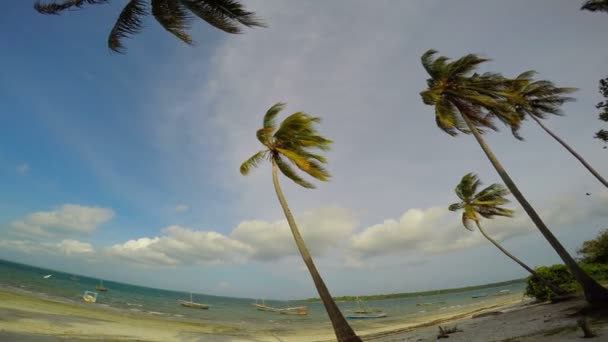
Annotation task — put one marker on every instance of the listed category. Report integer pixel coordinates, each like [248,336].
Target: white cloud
[141,251]
[181,245]
[71,247]
[65,247]
[68,219]
[23,168]
[321,230]
[181,208]
[436,230]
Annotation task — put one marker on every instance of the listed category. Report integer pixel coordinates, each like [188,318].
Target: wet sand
[24,317]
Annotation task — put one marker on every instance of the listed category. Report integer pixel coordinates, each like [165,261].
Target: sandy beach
[24,317]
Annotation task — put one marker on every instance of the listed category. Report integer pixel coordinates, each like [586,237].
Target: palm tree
[173,15]
[467,103]
[290,145]
[595,6]
[536,99]
[487,203]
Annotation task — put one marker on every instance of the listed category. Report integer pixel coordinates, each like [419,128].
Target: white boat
[89,296]
[193,305]
[47,276]
[365,313]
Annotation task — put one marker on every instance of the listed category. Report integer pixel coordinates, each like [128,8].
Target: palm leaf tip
[225,15]
[58,7]
[252,162]
[129,22]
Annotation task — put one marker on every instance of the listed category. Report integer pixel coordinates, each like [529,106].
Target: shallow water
[234,311]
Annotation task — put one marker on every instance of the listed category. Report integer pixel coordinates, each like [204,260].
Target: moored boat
[192,304]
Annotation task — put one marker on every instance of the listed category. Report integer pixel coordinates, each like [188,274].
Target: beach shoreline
[25,315]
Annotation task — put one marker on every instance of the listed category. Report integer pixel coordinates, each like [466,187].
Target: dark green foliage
[560,276]
[595,6]
[486,203]
[603,107]
[291,144]
[595,250]
[173,15]
[456,90]
[420,294]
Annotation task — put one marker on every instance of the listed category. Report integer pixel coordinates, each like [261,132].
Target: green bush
[595,251]
[560,276]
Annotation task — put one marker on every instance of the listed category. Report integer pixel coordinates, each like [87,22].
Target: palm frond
[271,114]
[263,135]
[129,23]
[486,203]
[57,7]
[464,65]
[173,17]
[289,172]
[226,15]
[252,162]
[595,5]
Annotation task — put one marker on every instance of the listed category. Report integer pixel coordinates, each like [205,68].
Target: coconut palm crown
[454,89]
[173,15]
[487,203]
[289,145]
[538,98]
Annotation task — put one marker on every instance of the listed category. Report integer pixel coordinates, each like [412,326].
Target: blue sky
[126,166]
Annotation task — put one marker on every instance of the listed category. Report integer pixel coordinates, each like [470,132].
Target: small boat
[47,276]
[193,305]
[297,310]
[100,287]
[365,313]
[89,296]
[480,295]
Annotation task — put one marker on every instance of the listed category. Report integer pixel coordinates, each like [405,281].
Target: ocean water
[225,310]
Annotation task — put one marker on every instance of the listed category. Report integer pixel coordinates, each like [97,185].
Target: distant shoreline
[421,293]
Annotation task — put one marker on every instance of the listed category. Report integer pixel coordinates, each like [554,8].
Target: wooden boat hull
[193,305]
[298,310]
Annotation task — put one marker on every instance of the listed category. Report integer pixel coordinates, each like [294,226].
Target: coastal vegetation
[487,203]
[593,259]
[467,102]
[421,293]
[173,15]
[293,144]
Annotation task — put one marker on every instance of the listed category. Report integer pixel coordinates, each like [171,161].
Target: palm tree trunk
[344,333]
[576,155]
[552,287]
[594,292]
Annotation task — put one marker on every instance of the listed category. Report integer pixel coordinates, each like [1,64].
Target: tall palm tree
[595,5]
[467,103]
[173,15]
[487,204]
[290,145]
[535,99]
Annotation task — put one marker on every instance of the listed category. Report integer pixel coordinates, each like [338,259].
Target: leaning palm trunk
[576,155]
[594,292]
[344,333]
[548,284]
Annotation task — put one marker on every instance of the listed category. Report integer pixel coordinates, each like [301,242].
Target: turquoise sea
[225,310]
